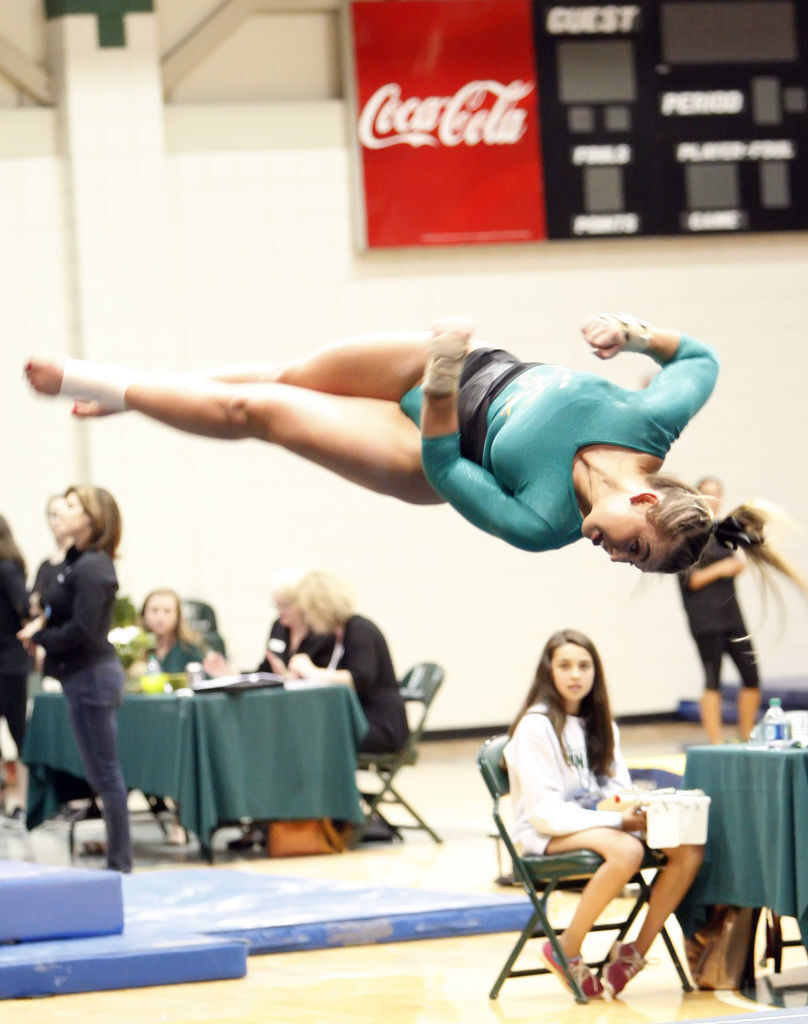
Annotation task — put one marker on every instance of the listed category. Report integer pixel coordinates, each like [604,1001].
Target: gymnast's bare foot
[47,377]
[44,376]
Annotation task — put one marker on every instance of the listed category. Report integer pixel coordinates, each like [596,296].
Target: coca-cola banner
[447,121]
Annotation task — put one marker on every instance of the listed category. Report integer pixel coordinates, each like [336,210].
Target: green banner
[111,29]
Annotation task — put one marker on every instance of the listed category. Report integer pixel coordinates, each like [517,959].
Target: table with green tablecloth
[272,754]
[757,840]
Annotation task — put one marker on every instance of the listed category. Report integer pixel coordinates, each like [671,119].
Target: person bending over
[563,759]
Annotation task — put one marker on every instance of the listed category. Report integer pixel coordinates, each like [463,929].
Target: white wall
[262,252]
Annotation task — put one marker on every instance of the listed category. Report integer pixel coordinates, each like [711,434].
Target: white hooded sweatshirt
[552,795]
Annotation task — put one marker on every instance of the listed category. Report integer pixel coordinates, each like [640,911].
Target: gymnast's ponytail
[747,528]
[685,519]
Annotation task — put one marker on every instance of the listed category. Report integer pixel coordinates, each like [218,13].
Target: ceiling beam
[296,6]
[25,73]
[202,40]
[211,32]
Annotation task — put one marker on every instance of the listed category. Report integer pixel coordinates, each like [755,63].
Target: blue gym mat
[276,913]
[138,958]
[41,902]
[198,924]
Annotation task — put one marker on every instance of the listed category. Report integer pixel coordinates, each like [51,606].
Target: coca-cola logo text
[464,118]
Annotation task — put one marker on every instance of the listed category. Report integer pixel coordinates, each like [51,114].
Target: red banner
[447,121]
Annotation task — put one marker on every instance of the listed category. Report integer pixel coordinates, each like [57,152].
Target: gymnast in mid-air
[534,453]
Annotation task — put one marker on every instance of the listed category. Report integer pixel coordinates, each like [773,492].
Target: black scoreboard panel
[669,117]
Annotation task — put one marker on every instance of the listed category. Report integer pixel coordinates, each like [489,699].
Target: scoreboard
[524,120]
[673,116]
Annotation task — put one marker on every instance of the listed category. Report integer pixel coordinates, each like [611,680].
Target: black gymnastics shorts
[486,372]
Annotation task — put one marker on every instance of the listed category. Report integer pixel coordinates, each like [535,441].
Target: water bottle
[154,680]
[775,723]
[195,673]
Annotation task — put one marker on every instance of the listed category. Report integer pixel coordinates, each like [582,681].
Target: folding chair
[775,943]
[201,617]
[418,686]
[541,875]
[90,810]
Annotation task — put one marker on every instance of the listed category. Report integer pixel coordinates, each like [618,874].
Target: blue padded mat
[198,924]
[279,914]
[138,957]
[793,694]
[41,902]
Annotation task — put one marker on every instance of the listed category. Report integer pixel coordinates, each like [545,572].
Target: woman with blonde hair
[289,633]
[290,636]
[534,453]
[73,630]
[361,659]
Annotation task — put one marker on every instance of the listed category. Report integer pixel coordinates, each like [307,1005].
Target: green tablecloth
[264,754]
[757,841]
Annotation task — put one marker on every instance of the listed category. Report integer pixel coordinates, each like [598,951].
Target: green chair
[418,687]
[541,875]
[201,617]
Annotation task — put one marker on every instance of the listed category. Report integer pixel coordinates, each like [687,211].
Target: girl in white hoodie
[563,760]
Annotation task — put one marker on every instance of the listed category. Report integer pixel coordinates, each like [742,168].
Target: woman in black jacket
[361,660]
[15,664]
[73,629]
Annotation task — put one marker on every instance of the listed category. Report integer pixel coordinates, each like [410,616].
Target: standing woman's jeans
[93,696]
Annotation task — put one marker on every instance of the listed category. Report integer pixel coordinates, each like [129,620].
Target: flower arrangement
[132,644]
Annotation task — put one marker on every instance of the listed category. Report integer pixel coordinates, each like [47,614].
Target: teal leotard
[523,492]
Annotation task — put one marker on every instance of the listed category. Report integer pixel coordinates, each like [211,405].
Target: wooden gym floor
[442,981]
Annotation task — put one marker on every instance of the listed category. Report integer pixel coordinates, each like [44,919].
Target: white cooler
[676,817]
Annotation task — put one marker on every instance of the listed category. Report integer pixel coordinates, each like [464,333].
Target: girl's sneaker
[624,963]
[590,983]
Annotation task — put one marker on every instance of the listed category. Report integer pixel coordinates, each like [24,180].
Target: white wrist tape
[636,332]
[100,382]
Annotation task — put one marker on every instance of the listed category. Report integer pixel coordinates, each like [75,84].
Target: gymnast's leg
[366,440]
[383,365]
[337,408]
